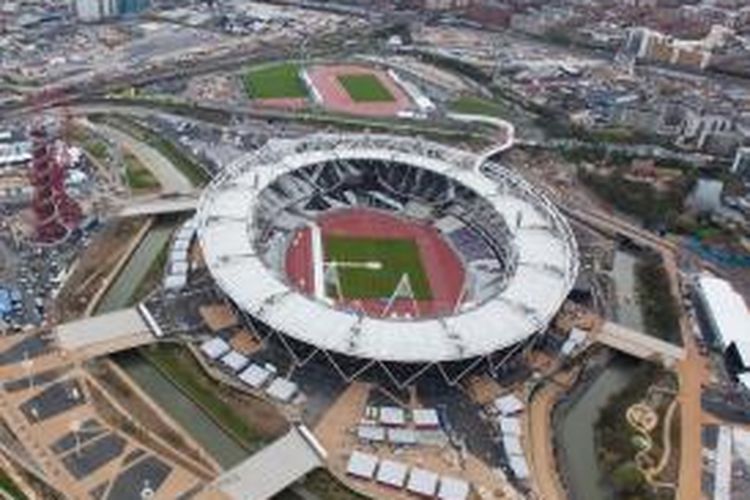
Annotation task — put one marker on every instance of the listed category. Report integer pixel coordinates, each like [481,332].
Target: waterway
[628,308]
[224,449]
[136,268]
[574,430]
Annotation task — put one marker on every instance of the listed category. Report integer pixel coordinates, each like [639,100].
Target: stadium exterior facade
[246,215]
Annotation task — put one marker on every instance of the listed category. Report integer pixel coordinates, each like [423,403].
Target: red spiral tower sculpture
[56,213]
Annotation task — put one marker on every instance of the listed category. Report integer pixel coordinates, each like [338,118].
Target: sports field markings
[281,81]
[365,87]
[373,268]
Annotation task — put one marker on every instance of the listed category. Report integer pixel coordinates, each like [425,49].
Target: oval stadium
[375,251]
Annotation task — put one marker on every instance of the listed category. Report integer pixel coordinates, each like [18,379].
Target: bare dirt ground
[217,316]
[94,266]
[539,440]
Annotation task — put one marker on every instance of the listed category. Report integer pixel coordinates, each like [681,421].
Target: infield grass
[394,258]
[275,82]
[365,88]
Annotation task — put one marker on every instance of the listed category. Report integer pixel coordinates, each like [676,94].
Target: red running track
[336,98]
[444,270]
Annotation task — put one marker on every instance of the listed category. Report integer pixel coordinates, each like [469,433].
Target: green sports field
[281,81]
[365,88]
[396,257]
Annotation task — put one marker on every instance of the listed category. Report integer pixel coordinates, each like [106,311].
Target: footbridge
[506,133]
[271,470]
[108,333]
[158,204]
[639,345]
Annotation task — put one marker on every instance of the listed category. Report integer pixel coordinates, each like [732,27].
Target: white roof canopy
[727,312]
[547,255]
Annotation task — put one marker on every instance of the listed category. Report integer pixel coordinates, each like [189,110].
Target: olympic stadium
[385,253]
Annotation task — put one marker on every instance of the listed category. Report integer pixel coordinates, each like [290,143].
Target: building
[97,10]
[727,318]
[14,149]
[741,164]
[501,258]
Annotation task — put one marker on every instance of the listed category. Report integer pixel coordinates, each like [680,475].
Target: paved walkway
[541,453]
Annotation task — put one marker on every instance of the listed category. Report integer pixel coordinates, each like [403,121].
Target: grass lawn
[9,488]
[176,363]
[390,259]
[479,106]
[365,88]
[273,82]
[138,177]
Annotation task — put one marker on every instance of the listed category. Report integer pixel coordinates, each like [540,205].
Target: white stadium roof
[546,270]
[727,312]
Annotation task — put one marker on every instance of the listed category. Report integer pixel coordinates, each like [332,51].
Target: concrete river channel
[577,415]
[224,449]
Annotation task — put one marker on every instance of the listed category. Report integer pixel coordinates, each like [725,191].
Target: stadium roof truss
[547,259]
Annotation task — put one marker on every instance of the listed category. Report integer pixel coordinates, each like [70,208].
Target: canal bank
[574,419]
[121,293]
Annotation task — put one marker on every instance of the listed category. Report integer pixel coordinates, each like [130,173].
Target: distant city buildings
[96,10]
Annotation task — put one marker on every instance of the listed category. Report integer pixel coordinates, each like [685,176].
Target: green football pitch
[365,88]
[371,268]
[272,82]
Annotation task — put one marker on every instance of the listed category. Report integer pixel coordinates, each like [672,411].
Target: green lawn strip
[9,487]
[322,483]
[177,365]
[365,88]
[275,82]
[474,105]
[660,311]
[396,256]
[137,175]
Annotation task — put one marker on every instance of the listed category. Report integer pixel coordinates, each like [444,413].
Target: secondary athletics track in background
[336,98]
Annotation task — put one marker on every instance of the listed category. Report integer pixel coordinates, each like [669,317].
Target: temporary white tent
[282,389]
[215,348]
[392,416]
[361,465]
[453,489]
[234,361]
[508,404]
[426,418]
[510,425]
[392,473]
[402,436]
[255,376]
[422,482]
[371,433]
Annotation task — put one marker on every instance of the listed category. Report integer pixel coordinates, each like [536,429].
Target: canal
[575,419]
[224,449]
